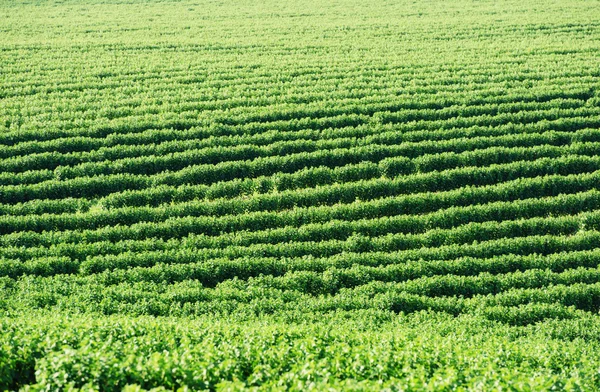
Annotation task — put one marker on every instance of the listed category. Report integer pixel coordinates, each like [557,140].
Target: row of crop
[138,156]
[471,294]
[305,108]
[246,211]
[366,101]
[172,200]
[209,84]
[387,136]
[313,275]
[447,285]
[169,140]
[222,173]
[309,275]
[582,295]
[292,242]
[99,186]
[178,259]
[77,187]
[519,111]
[210,79]
[478,114]
[389,167]
[347,218]
[330,194]
[223,135]
[574,288]
[495,155]
[166,254]
[157,169]
[46,206]
[235,295]
[180,99]
[184,121]
[255,195]
[46,160]
[317,223]
[213,149]
[393,165]
[26,177]
[368,95]
[112,159]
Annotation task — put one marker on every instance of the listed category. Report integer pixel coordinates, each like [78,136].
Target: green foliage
[304,195]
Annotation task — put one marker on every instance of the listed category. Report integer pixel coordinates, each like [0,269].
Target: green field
[303,195]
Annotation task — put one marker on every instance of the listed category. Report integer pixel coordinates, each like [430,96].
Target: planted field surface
[297,195]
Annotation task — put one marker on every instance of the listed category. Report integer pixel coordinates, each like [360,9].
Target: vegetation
[305,195]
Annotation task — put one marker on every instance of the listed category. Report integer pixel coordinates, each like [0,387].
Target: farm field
[305,195]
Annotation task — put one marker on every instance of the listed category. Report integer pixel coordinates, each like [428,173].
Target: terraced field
[349,195]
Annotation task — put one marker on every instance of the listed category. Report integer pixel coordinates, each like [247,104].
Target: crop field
[305,195]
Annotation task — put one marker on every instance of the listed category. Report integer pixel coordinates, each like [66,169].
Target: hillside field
[339,195]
